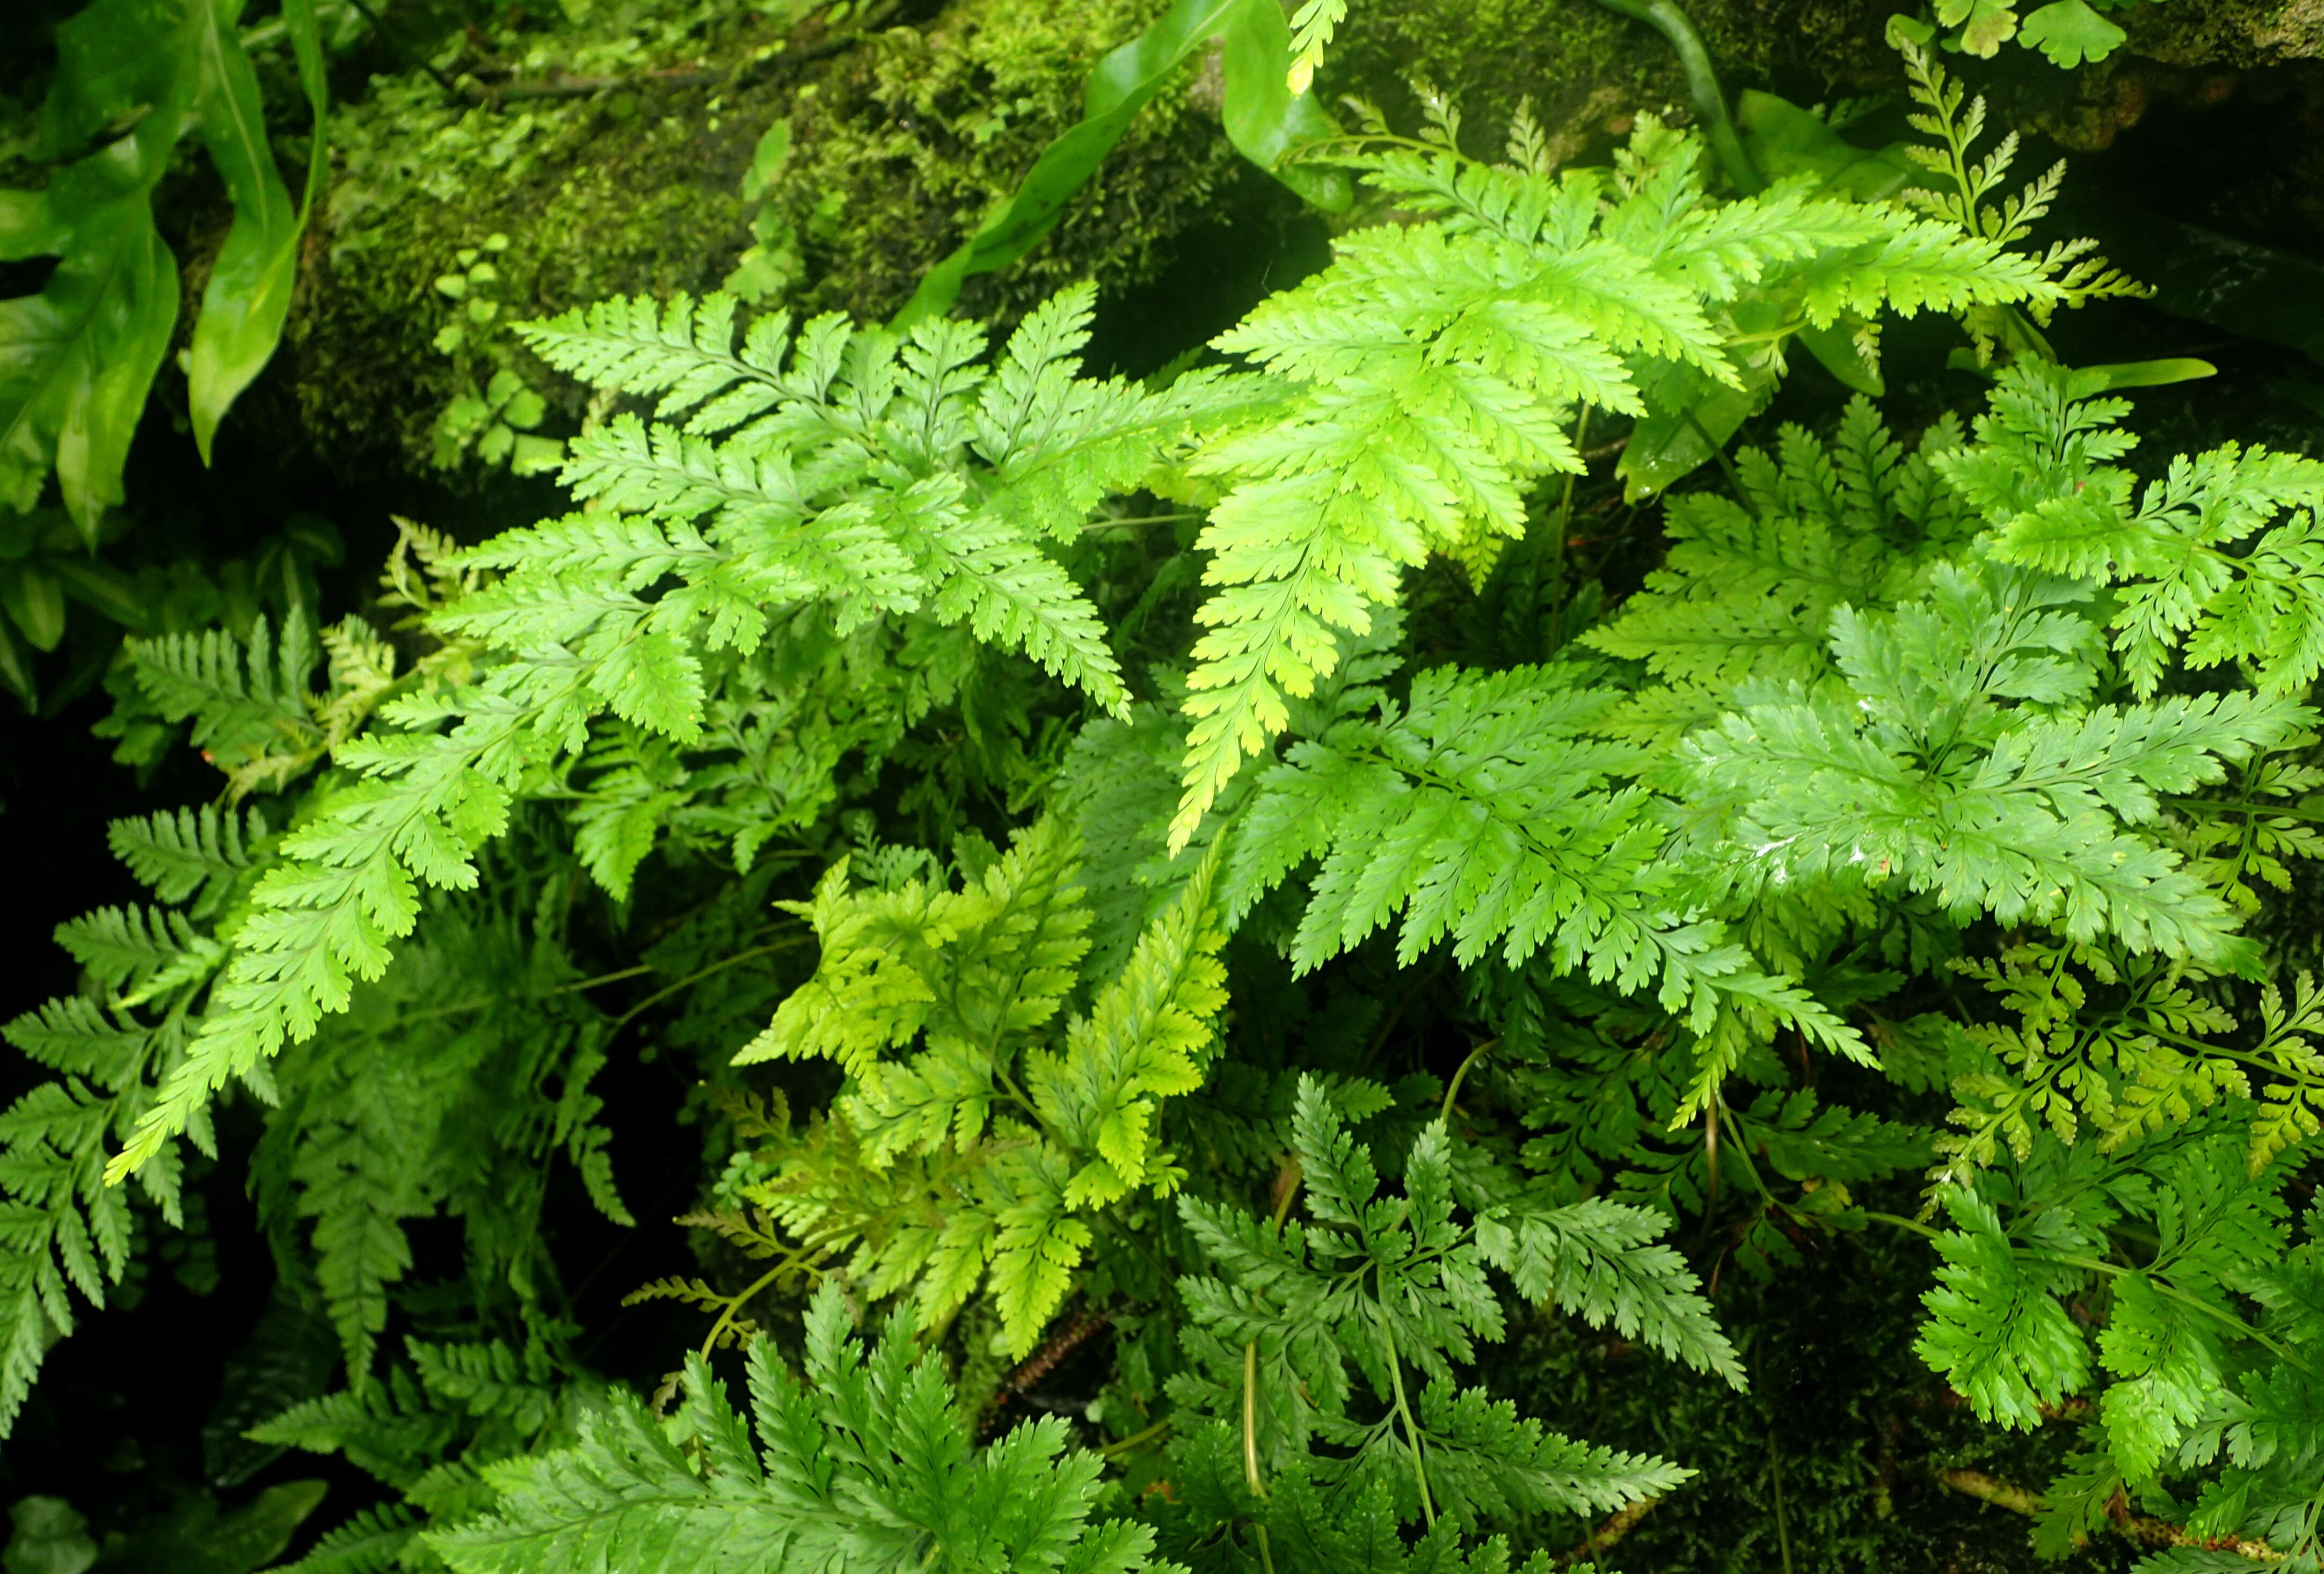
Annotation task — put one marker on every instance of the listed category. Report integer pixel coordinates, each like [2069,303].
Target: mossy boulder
[825,163]
[889,146]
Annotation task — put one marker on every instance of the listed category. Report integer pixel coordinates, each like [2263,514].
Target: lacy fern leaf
[1433,369]
[974,1161]
[859,1461]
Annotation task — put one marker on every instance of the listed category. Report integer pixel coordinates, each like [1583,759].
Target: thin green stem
[455,1008]
[603,979]
[1565,501]
[1710,1162]
[2173,1293]
[2257,1062]
[1772,335]
[1719,451]
[2300,811]
[1411,1427]
[1743,1156]
[1283,1203]
[1250,1418]
[1783,1525]
[788,943]
[2115,1271]
[734,1303]
[1018,1096]
[1104,523]
[1702,87]
[1134,1440]
[1452,1088]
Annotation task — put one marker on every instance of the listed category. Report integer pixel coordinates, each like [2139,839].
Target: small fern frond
[191,857]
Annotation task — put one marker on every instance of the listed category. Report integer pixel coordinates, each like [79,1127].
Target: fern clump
[973,1161]
[1127,932]
[857,1459]
[1432,371]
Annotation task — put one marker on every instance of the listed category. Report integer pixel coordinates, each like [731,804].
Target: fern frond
[2026,815]
[1486,1463]
[1008,593]
[145,951]
[63,1229]
[1599,1259]
[371,1542]
[2196,583]
[863,1459]
[74,1036]
[193,856]
[1748,586]
[991,964]
[1434,367]
[625,1496]
[324,916]
[695,1292]
[682,350]
[249,701]
[1058,443]
[1146,1037]
[1997,1331]
[1312,26]
[491,1378]
[354,1188]
[1481,815]
[1923,266]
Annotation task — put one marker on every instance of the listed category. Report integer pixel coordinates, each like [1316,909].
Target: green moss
[1575,63]
[591,202]
[900,144]
[1584,68]
[902,152]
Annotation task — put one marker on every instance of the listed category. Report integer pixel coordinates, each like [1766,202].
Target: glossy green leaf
[101,588]
[195,1538]
[1263,119]
[78,359]
[34,601]
[249,291]
[1784,139]
[118,69]
[16,668]
[50,1537]
[29,227]
[1672,444]
[1691,419]
[2153,373]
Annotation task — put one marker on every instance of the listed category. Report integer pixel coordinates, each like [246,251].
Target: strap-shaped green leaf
[76,359]
[1263,118]
[249,291]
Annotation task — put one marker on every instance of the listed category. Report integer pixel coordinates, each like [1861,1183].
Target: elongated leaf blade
[1263,119]
[249,291]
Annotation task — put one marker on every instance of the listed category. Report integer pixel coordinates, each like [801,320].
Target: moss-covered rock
[613,156]
[904,150]
[898,140]
[1584,68]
